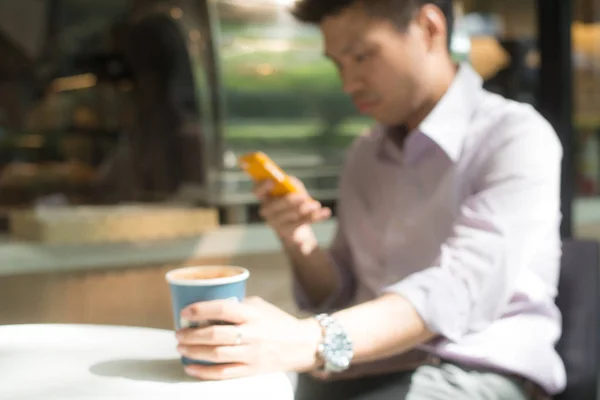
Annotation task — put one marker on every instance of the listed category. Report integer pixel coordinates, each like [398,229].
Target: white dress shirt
[463,221]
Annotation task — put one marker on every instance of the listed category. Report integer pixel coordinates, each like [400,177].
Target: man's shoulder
[506,111]
[499,120]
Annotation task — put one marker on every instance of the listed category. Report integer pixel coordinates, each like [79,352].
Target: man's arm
[323,278]
[313,269]
[383,327]
[513,216]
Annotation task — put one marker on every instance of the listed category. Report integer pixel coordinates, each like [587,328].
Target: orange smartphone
[260,167]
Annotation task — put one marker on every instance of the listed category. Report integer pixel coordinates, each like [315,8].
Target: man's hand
[291,215]
[262,339]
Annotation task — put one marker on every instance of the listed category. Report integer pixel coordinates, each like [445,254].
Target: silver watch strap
[335,349]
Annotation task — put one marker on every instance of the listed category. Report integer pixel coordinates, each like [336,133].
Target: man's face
[384,70]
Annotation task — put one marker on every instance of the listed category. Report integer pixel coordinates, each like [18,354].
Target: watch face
[338,350]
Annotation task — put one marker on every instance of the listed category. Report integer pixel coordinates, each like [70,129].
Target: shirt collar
[448,122]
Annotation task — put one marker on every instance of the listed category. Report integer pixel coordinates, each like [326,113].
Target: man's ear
[432,21]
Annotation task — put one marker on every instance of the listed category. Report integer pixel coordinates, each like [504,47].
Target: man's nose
[351,83]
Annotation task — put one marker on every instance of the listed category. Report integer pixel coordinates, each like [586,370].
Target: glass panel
[281,94]
[59,116]
[586,96]
[97,102]
[504,51]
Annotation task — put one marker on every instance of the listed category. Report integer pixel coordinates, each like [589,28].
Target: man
[448,234]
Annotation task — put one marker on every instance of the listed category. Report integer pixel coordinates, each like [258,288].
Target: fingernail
[186,313]
[312,207]
[185,323]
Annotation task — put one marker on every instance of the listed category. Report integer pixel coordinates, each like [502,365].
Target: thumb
[298,185]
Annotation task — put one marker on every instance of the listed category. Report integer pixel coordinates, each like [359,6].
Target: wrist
[301,241]
[313,335]
[336,348]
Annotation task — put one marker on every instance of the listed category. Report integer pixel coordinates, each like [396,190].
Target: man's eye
[362,57]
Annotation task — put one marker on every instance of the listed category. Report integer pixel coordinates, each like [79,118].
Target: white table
[108,362]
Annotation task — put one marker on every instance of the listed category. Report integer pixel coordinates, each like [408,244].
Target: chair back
[579,302]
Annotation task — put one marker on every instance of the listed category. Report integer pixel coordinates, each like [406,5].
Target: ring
[239,338]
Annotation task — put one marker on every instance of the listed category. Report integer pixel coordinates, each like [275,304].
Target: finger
[282,204]
[314,217]
[255,301]
[298,184]
[318,215]
[321,214]
[309,207]
[262,189]
[220,372]
[321,375]
[291,224]
[218,310]
[248,333]
[303,213]
[217,354]
[289,209]
[215,335]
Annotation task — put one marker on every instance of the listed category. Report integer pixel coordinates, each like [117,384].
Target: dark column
[556,90]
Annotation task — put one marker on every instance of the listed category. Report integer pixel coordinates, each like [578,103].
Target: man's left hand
[261,339]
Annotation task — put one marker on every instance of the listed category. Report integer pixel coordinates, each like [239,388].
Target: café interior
[122,120]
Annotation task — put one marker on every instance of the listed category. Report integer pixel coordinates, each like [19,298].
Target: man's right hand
[290,215]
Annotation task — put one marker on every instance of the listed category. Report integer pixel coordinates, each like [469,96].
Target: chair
[579,301]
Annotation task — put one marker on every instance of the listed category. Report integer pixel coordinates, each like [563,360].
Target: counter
[21,258]
[124,284]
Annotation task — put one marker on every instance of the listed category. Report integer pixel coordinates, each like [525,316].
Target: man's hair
[400,12]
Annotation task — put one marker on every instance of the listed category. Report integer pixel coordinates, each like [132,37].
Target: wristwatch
[335,349]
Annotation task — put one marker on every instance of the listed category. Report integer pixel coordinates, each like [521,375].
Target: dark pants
[445,381]
[381,387]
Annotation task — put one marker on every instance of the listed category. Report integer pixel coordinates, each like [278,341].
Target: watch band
[335,349]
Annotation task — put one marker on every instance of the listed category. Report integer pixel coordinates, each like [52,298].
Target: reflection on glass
[64,101]
[104,109]
[586,91]
[504,45]
[281,95]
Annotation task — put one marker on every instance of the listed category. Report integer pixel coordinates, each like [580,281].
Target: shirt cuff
[341,296]
[440,299]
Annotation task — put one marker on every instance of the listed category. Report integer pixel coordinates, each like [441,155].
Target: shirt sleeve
[513,215]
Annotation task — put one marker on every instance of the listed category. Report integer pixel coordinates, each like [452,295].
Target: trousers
[445,381]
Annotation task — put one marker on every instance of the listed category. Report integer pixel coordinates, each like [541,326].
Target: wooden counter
[124,284]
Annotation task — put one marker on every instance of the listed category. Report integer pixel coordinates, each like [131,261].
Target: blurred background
[122,119]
